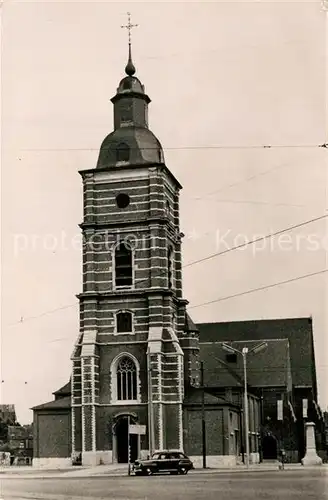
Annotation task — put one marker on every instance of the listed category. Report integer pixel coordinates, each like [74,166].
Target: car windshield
[162,456]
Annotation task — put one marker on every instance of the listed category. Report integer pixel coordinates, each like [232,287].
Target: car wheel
[183,470]
[149,472]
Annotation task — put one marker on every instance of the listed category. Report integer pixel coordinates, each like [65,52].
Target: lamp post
[244,352]
[203,415]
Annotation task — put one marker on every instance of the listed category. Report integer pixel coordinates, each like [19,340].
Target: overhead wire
[245,180]
[260,288]
[256,240]
[325,145]
[181,148]
[290,228]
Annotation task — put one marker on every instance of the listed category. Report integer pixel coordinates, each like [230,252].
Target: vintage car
[172,462]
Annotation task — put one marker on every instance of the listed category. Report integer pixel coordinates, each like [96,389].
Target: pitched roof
[57,404]
[65,390]
[268,368]
[195,396]
[297,330]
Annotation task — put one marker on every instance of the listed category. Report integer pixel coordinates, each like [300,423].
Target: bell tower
[128,362]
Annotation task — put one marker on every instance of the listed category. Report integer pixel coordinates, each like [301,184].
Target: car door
[162,462]
[183,460]
[173,461]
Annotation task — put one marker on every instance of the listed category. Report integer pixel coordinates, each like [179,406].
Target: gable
[268,368]
[298,331]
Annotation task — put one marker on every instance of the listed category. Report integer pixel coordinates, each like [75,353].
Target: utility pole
[203,415]
[262,425]
[244,353]
[129,449]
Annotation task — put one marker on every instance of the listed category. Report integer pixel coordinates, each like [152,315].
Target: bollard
[283,458]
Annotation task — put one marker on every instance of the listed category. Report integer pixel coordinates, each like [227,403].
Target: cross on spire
[129,69]
[129,26]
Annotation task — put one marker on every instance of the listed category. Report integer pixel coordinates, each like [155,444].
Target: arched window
[126,378]
[123,265]
[124,322]
[122,152]
[170,266]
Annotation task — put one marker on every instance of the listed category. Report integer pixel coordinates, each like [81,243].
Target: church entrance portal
[121,435]
[269,445]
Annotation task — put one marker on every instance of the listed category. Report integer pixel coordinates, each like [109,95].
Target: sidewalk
[23,472]
[117,470]
[259,468]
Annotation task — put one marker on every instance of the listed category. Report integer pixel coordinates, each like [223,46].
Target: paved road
[282,485]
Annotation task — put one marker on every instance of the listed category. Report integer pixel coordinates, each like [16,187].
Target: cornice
[135,293]
[161,219]
[159,165]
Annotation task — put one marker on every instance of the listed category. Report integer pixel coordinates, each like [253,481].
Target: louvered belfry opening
[123,266]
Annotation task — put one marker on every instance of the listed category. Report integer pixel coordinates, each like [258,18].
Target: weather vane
[129,26]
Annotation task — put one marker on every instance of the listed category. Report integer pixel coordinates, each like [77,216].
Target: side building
[283,376]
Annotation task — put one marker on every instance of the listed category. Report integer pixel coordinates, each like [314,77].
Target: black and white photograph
[164,250]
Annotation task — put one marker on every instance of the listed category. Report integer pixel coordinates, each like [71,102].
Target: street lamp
[244,352]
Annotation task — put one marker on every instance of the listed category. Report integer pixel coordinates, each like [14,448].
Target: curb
[78,474]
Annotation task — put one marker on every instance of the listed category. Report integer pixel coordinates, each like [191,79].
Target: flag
[279,409]
[305,408]
[292,411]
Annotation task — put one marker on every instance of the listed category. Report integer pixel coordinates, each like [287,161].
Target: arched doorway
[121,437]
[269,447]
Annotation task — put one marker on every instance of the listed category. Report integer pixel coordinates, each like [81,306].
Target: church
[137,358]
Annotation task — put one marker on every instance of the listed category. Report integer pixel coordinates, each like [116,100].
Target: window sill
[124,333]
[126,403]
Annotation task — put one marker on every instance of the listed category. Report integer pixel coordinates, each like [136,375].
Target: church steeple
[130,101]
[131,132]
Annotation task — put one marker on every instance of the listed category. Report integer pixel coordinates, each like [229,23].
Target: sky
[225,79]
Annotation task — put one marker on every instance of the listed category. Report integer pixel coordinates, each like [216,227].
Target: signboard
[137,429]
[280,409]
[305,408]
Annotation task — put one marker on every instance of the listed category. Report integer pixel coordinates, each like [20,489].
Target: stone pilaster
[158,277]
[90,244]
[90,375]
[156,193]
[76,399]
[88,197]
[181,397]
